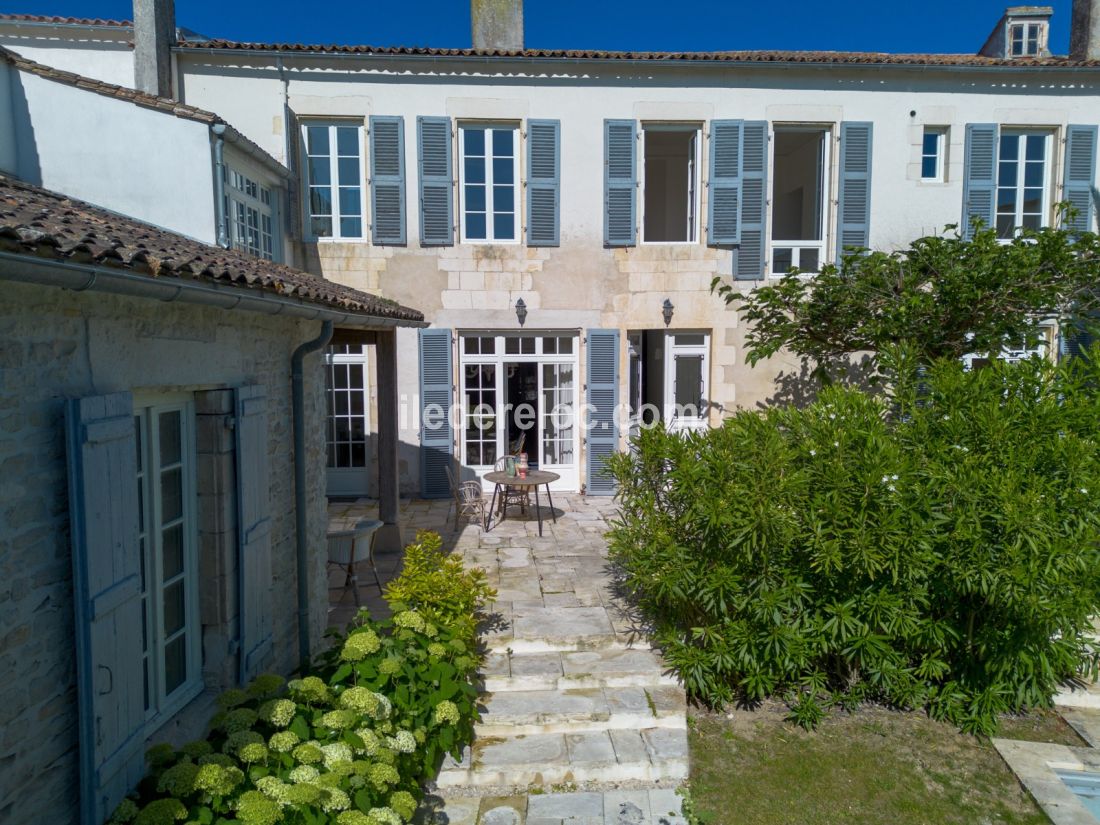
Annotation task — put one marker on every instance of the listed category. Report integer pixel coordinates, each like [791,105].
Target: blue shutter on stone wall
[433,138]
[103,513]
[387,180]
[436,398]
[854,208]
[1080,176]
[748,259]
[979,176]
[620,180]
[543,182]
[724,202]
[253,530]
[602,396]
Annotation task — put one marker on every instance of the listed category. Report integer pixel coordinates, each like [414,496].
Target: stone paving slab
[659,806]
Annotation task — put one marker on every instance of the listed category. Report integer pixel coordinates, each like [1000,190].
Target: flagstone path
[581,722]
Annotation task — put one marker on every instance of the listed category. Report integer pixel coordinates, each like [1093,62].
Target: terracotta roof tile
[747,57]
[65,21]
[37,222]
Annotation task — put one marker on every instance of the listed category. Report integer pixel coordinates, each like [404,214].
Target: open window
[671,195]
[669,379]
[800,196]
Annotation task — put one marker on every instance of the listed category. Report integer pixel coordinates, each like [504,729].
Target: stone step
[531,712]
[575,669]
[655,806]
[655,755]
[561,629]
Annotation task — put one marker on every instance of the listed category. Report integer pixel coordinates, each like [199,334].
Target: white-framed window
[347,387]
[1023,181]
[167,523]
[334,179]
[488,194]
[933,154]
[249,215]
[800,197]
[670,182]
[1025,39]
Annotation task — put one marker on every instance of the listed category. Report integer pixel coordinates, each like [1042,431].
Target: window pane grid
[480,413]
[1021,183]
[489,183]
[346,394]
[334,180]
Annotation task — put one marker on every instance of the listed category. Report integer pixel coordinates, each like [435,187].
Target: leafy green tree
[943,296]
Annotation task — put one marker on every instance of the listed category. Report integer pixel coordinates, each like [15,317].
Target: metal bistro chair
[346,548]
[509,494]
[469,499]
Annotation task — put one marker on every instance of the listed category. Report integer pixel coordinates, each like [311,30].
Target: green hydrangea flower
[274,789]
[232,698]
[410,620]
[161,812]
[385,816]
[354,818]
[339,719]
[359,699]
[336,752]
[385,756]
[304,793]
[384,709]
[457,645]
[253,808]
[359,645]
[437,650]
[217,759]
[178,780]
[430,630]
[239,719]
[283,741]
[127,809]
[238,739]
[404,803]
[421,736]
[334,799]
[382,775]
[218,780]
[311,689]
[402,742]
[303,773]
[278,712]
[446,712]
[329,780]
[253,752]
[266,684]
[371,742]
[200,747]
[160,755]
[389,666]
[464,663]
[308,753]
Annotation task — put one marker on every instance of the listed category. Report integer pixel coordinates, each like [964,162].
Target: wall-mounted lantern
[666,311]
[521,311]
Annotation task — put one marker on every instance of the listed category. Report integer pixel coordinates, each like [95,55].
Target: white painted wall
[104,54]
[137,161]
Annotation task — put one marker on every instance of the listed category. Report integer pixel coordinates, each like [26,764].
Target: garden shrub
[351,742]
[936,547]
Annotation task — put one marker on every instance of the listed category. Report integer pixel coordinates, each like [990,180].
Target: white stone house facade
[599,189]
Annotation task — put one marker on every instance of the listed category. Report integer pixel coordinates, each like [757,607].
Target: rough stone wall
[56,345]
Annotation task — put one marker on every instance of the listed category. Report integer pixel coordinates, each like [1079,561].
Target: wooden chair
[346,548]
[469,499]
[512,495]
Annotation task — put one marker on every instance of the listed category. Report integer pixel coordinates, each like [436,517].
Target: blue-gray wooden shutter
[620,182]
[854,207]
[1080,175]
[253,530]
[979,176]
[433,137]
[724,183]
[602,396]
[103,526]
[543,182]
[748,259]
[387,179]
[436,392]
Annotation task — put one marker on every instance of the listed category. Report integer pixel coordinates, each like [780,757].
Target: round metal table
[535,479]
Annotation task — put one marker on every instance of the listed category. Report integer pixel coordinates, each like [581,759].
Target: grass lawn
[876,766]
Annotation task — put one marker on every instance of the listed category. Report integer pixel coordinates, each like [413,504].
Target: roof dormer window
[1025,39]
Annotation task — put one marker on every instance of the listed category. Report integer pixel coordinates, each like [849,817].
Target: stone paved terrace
[581,723]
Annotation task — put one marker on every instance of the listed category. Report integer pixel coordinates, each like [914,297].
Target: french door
[346,389]
[686,381]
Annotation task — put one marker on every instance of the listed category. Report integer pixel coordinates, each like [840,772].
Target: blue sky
[641,25]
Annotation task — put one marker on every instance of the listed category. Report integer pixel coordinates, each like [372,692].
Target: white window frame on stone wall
[795,245]
[250,215]
[1022,137]
[1028,35]
[162,704]
[490,184]
[334,185]
[936,153]
[694,179]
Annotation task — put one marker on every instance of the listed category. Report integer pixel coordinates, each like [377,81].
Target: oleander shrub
[936,546]
[349,743]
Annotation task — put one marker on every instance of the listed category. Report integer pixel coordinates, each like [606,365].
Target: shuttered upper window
[1023,181]
[167,522]
[334,179]
[489,172]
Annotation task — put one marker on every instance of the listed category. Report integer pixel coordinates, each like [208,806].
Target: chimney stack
[498,24]
[154,34]
[1084,36]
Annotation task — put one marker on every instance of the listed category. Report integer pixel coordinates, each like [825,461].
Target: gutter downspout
[219,182]
[302,548]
